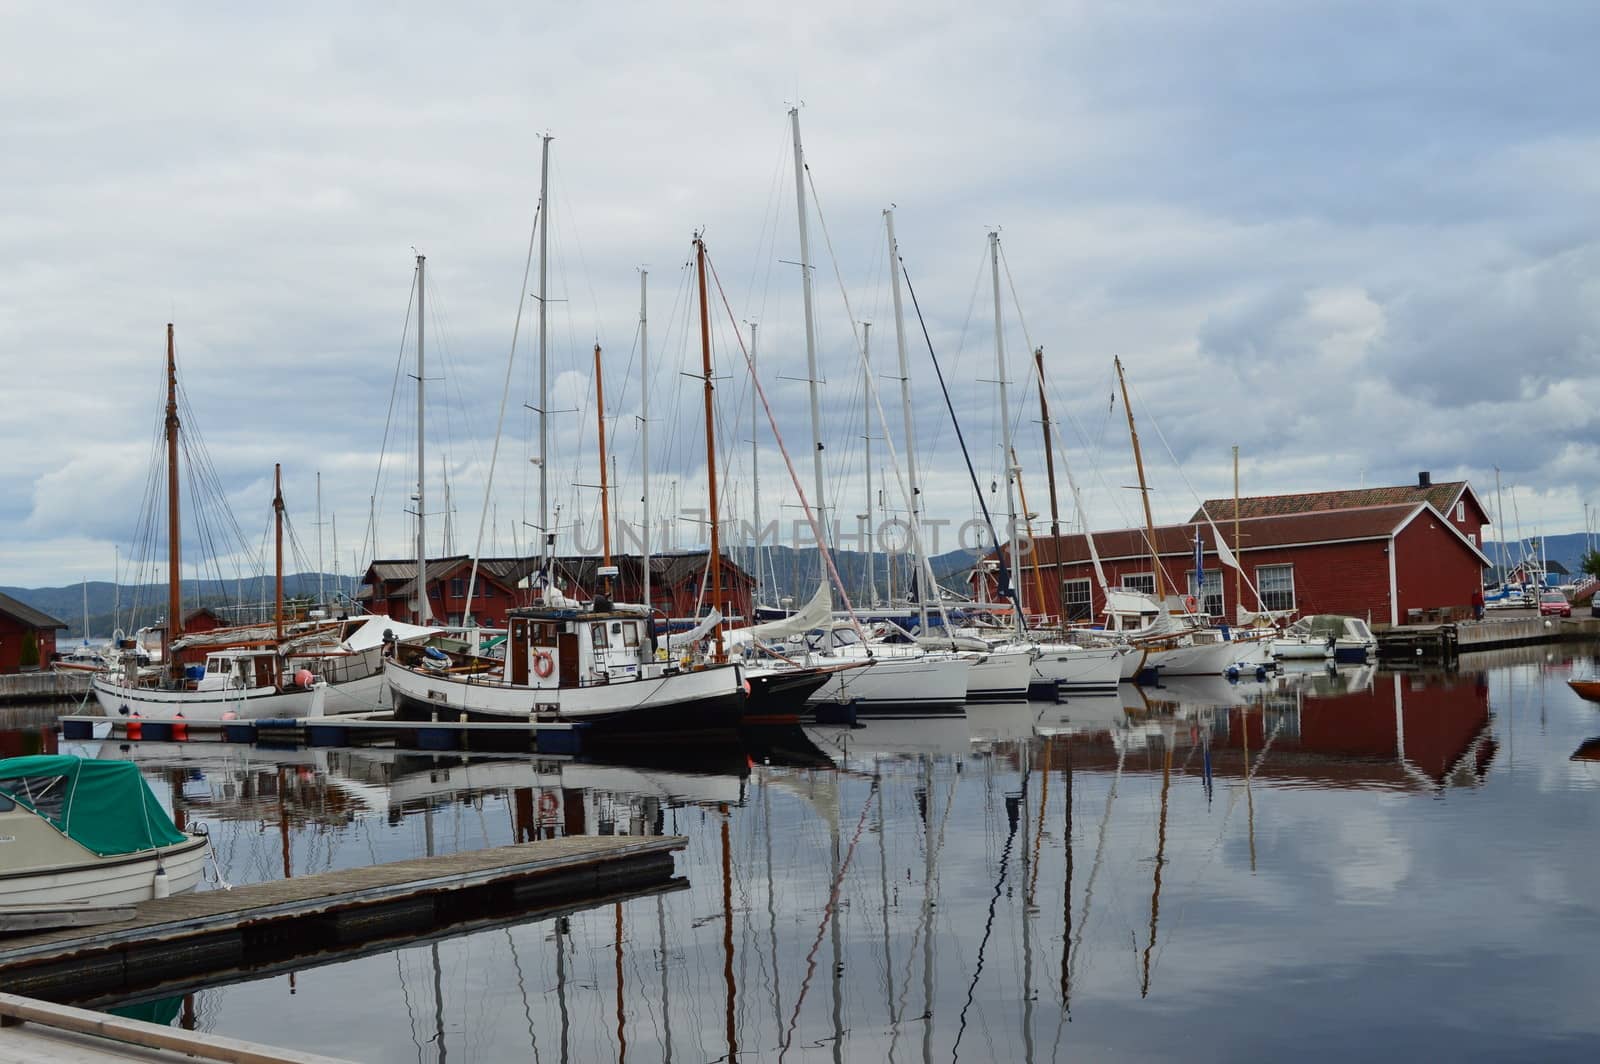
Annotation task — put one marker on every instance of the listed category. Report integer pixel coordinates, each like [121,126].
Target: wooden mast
[605,495]
[277,520]
[1027,521]
[1144,491]
[1050,473]
[174,539]
[711,439]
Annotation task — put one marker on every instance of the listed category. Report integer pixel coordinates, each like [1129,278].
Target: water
[1405,869]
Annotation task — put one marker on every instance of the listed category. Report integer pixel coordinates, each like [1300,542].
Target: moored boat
[78,830]
[1589,689]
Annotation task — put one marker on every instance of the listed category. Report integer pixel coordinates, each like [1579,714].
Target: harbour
[1015,880]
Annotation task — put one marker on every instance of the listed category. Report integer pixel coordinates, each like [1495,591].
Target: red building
[1325,552]
[27,636]
[389,587]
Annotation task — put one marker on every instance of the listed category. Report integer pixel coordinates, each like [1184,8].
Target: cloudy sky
[1356,240]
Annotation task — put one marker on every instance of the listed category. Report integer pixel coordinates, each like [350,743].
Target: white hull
[1202,659]
[119,700]
[1083,667]
[358,696]
[999,676]
[712,697]
[1301,649]
[107,880]
[908,685]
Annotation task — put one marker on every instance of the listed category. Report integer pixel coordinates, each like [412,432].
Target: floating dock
[1436,642]
[343,730]
[275,925]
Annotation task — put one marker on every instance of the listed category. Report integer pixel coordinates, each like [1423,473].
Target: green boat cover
[104,806]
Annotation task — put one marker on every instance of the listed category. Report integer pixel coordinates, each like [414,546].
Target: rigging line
[827,916]
[988,928]
[1006,590]
[394,390]
[871,386]
[500,420]
[794,478]
[1214,530]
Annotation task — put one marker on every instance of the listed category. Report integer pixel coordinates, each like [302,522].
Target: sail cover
[814,614]
[103,806]
[695,634]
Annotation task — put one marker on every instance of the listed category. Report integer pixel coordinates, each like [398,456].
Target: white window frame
[1087,602]
[1265,590]
[1140,587]
[1461,512]
[1210,602]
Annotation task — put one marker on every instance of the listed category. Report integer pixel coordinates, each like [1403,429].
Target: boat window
[6,804]
[597,635]
[630,635]
[47,795]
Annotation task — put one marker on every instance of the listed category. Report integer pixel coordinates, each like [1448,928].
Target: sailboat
[244,682]
[593,663]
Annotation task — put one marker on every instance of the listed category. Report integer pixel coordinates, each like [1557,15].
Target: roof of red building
[26,615]
[1442,495]
[1256,533]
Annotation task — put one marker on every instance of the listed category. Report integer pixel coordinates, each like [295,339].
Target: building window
[1145,582]
[1210,596]
[458,586]
[1472,538]
[1077,602]
[1276,584]
[1461,511]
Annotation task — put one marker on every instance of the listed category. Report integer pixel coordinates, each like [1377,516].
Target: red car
[1554,604]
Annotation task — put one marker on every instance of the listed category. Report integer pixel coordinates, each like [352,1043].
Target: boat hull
[121,880]
[667,706]
[919,686]
[119,700]
[781,693]
[999,676]
[1068,667]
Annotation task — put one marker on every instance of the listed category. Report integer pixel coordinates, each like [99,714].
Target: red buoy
[180,728]
[135,727]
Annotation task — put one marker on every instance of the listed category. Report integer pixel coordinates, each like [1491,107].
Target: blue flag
[1199,564]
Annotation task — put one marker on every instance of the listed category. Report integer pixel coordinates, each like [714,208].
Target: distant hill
[797,571]
[1567,549]
[108,609]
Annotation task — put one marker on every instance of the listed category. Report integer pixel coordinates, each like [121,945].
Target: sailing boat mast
[277,521]
[1049,465]
[544,377]
[905,405]
[605,496]
[423,613]
[866,417]
[755,474]
[644,447]
[715,574]
[820,504]
[1144,490]
[174,540]
[1005,425]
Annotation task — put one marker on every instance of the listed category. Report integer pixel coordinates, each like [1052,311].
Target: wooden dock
[346,730]
[38,1032]
[1438,642]
[270,925]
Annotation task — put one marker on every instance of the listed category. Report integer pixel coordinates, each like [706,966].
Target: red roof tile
[1442,495]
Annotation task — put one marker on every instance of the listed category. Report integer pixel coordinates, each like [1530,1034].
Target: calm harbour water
[1390,865]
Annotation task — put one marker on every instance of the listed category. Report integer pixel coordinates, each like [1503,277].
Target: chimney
[1424,479]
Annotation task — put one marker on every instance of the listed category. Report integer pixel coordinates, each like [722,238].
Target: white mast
[905,404]
[1500,518]
[544,381]
[422,613]
[811,333]
[1005,429]
[644,439]
[866,415]
[755,474]
[320,599]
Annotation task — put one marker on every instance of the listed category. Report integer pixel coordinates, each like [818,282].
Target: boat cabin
[564,647]
[239,670]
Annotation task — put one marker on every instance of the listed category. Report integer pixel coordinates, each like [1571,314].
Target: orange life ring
[543,664]
[1189,603]
[547,804]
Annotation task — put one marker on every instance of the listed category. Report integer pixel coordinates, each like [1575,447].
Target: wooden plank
[214,910]
[14,918]
[125,1032]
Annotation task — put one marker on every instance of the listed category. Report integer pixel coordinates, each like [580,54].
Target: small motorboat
[75,830]
[1589,689]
